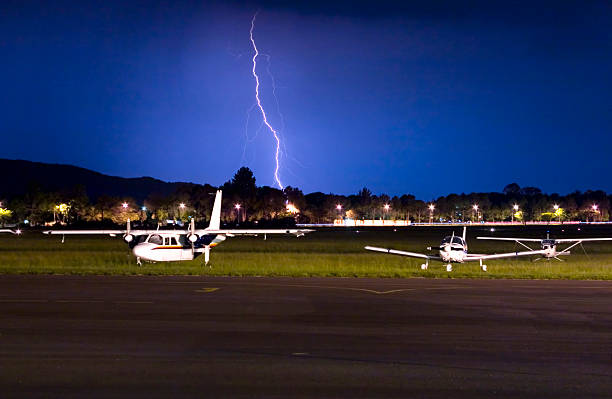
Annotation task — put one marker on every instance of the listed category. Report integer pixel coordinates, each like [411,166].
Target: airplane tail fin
[215,217]
[464,230]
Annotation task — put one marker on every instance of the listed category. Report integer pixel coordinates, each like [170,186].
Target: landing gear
[449,267]
[425,265]
[483,267]
[138,262]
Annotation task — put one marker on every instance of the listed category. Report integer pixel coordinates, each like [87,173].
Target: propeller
[192,236]
[448,246]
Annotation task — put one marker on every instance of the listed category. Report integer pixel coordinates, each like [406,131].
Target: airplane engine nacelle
[128,238]
[193,237]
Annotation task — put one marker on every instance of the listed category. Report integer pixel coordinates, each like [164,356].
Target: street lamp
[124,205]
[595,210]
[475,206]
[237,206]
[387,207]
[431,209]
[556,208]
[515,208]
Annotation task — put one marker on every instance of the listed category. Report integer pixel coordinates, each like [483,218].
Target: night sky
[426,99]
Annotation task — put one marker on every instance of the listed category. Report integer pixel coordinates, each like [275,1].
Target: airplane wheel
[423,266]
[449,268]
[484,268]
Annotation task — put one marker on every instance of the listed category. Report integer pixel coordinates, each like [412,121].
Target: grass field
[326,252]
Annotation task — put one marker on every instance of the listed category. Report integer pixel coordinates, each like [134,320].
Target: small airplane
[453,249]
[548,245]
[177,245]
[16,232]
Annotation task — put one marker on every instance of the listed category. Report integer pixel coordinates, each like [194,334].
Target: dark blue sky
[423,99]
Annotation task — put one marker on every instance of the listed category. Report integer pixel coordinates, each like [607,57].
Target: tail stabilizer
[464,230]
[215,217]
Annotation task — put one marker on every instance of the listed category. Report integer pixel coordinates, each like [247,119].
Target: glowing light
[431,207]
[182,205]
[263,113]
[144,208]
[124,205]
[555,206]
[237,206]
[292,209]
[595,207]
[339,207]
[516,207]
[475,207]
[387,206]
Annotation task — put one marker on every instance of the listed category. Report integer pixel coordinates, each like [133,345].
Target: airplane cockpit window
[173,241]
[155,239]
[456,240]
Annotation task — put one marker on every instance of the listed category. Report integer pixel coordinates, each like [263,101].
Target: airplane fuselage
[171,247]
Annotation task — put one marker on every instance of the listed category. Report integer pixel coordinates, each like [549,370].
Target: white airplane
[16,232]
[178,245]
[548,245]
[453,249]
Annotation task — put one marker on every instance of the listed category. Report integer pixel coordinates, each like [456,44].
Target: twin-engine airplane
[548,245]
[453,249]
[177,245]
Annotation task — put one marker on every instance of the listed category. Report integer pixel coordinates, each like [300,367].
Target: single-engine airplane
[548,245]
[453,249]
[178,245]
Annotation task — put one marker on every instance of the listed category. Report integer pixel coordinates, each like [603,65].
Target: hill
[18,176]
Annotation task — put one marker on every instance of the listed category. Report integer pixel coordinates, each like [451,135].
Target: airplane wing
[253,232]
[475,257]
[511,239]
[566,240]
[402,253]
[111,233]
[10,231]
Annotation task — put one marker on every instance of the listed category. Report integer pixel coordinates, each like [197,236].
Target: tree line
[246,203]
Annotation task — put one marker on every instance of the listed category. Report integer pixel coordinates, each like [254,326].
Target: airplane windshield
[456,240]
[155,239]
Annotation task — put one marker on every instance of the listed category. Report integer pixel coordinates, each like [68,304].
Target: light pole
[556,208]
[431,209]
[515,209]
[237,206]
[595,210]
[387,207]
[475,207]
[181,208]
[339,209]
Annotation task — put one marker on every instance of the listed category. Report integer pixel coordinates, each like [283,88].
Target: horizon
[378,194]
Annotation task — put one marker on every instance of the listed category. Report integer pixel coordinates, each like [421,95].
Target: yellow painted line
[207,289]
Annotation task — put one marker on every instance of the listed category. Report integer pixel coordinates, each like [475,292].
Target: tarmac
[153,337]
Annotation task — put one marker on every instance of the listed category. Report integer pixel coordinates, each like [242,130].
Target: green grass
[337,252]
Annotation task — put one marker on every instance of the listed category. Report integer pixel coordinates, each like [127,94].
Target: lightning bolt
[263,112]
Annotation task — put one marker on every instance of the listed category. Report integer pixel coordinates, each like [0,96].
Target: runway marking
[134,302]
[207,289]
[369,291]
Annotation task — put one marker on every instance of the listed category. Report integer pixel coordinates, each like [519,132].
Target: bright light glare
[431,207]
[387,206]
[237,206]
[124,205]
[339,207]
[182,205]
